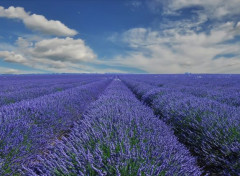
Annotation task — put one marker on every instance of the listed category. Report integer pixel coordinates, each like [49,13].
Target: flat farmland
[120,124]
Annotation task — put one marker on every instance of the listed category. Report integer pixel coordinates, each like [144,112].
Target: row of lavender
[210,129]
[28,126]
[213,81]
[118,135]
[36,86]
[11,83]
[222,88]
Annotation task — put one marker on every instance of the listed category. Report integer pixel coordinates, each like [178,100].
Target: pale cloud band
[37,22]
[5,70]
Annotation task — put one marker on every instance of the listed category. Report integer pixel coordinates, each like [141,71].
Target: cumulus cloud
[12,57]
[68,49]
[37,22]
[54,54]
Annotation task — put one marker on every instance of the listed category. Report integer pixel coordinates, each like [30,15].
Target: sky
[120,36]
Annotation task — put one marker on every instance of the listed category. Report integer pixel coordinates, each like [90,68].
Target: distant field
[109,124]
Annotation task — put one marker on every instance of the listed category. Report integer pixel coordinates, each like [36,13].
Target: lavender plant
[118,135]
[28,126]
[222,88]
[23,90]
[211,130]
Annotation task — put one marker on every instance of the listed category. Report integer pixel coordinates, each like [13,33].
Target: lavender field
[123,125]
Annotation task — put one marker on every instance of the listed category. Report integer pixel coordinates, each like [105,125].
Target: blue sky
[131,36]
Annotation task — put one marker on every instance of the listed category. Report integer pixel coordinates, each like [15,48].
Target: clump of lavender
[117,136]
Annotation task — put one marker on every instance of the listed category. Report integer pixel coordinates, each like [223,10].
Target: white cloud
[7,70]
[68,49]
[54,54]
[37,22]
[173,51]
[40,23]
[217,8]
[186,45]
[13,12]
[23,43]
[214,9]
[6,46]
[12,57]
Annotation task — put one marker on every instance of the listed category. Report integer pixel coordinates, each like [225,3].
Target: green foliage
[118,148]
[58,89]
[91,171]
[92,144]
[131,169]
[235,134]
[106,151]
[9,101]
[134,140]
[162,173]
